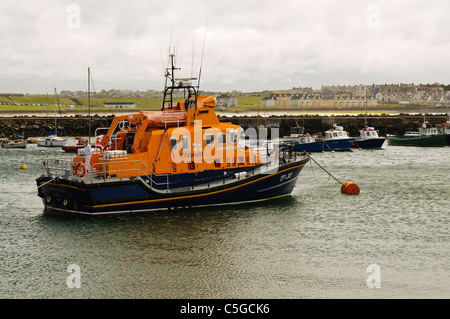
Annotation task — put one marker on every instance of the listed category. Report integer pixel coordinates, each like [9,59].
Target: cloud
[249,45]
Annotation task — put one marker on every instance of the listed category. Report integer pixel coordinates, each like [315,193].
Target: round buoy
[350,188]
[23,166]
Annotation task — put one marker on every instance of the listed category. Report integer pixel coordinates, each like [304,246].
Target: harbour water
[317,243]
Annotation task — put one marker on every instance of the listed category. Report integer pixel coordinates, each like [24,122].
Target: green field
[42,102]
[47,103]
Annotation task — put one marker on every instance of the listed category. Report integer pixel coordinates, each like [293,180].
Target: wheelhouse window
[185,142]
[233,136]
[221,138]
[209,139]
[174,143]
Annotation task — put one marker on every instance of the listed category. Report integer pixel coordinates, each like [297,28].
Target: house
[120,105]
[226,100]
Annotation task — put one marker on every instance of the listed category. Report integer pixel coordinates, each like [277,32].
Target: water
[317,243]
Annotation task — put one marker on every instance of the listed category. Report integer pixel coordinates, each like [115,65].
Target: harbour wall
[78,125]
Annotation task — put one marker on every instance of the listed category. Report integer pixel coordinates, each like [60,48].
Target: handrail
[89,178]
[165,117]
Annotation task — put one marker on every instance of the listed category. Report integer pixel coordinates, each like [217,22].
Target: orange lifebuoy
[80,169]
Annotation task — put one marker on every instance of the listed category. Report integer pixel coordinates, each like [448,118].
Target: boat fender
[350,188]
[80,169]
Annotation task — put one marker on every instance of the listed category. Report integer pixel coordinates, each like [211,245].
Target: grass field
[47,103]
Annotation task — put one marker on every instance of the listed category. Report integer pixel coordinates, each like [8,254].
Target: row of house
[316,100]
[435,98]
[362,90]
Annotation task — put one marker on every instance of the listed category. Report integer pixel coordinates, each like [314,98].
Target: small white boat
[15,141]
[14,144]
[52,141]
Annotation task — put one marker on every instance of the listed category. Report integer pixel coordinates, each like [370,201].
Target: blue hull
[339,145]
[373,143]
[309,147]
[134,196]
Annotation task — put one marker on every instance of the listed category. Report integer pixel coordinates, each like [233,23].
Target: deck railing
[134,169]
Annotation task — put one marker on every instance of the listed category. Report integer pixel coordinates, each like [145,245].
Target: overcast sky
[249,45]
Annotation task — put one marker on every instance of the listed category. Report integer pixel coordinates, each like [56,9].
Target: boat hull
[447,139]
[372,143]
[51,143]
[14,145]
[130,196]
[309,147]
[423,141]
[338,144]
[72,148]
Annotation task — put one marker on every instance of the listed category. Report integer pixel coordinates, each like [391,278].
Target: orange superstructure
[174,140]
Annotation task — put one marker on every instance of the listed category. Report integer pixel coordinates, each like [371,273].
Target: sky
[242,45]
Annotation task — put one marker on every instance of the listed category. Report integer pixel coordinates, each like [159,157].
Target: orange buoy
[350,188]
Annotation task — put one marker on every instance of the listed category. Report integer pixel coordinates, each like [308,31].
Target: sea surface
[390,241]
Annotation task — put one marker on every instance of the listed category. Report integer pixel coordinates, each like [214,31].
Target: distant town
[335,96]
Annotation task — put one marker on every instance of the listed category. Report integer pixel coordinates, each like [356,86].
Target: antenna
[89,102]
[193,47]
[203,50]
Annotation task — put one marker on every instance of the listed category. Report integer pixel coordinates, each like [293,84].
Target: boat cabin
[337,133]
[368,132]
[429,131]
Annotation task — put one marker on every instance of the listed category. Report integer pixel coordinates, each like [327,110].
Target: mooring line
[322,168]
[28,192]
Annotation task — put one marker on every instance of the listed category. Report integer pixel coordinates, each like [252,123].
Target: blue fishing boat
[336,139]
[302,142]
[369,139]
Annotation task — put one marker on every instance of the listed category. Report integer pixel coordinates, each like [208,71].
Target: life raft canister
[350,188]
[80,169]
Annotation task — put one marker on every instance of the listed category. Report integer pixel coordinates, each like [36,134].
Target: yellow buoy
[23,166]
[350,188]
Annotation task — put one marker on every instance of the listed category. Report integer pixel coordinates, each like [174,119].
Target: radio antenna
[203,50]
[193,47]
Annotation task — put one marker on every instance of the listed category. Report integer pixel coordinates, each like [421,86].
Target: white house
[120,105]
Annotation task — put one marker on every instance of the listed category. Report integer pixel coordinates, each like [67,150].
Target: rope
[314,175]
[322,168]
[18,197]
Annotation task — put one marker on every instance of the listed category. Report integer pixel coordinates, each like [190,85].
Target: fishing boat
[424,136]
[368,136]
[15,141]
[336,139]
[445,129]
[181,156]
[369,139]
[14,144]
[302,142]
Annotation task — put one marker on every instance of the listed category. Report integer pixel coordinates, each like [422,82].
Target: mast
[171,83]
[89,102]
[56,127]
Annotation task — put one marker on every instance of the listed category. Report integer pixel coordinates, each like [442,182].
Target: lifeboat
[181,156]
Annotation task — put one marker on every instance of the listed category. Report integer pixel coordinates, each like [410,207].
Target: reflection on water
[316,243]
